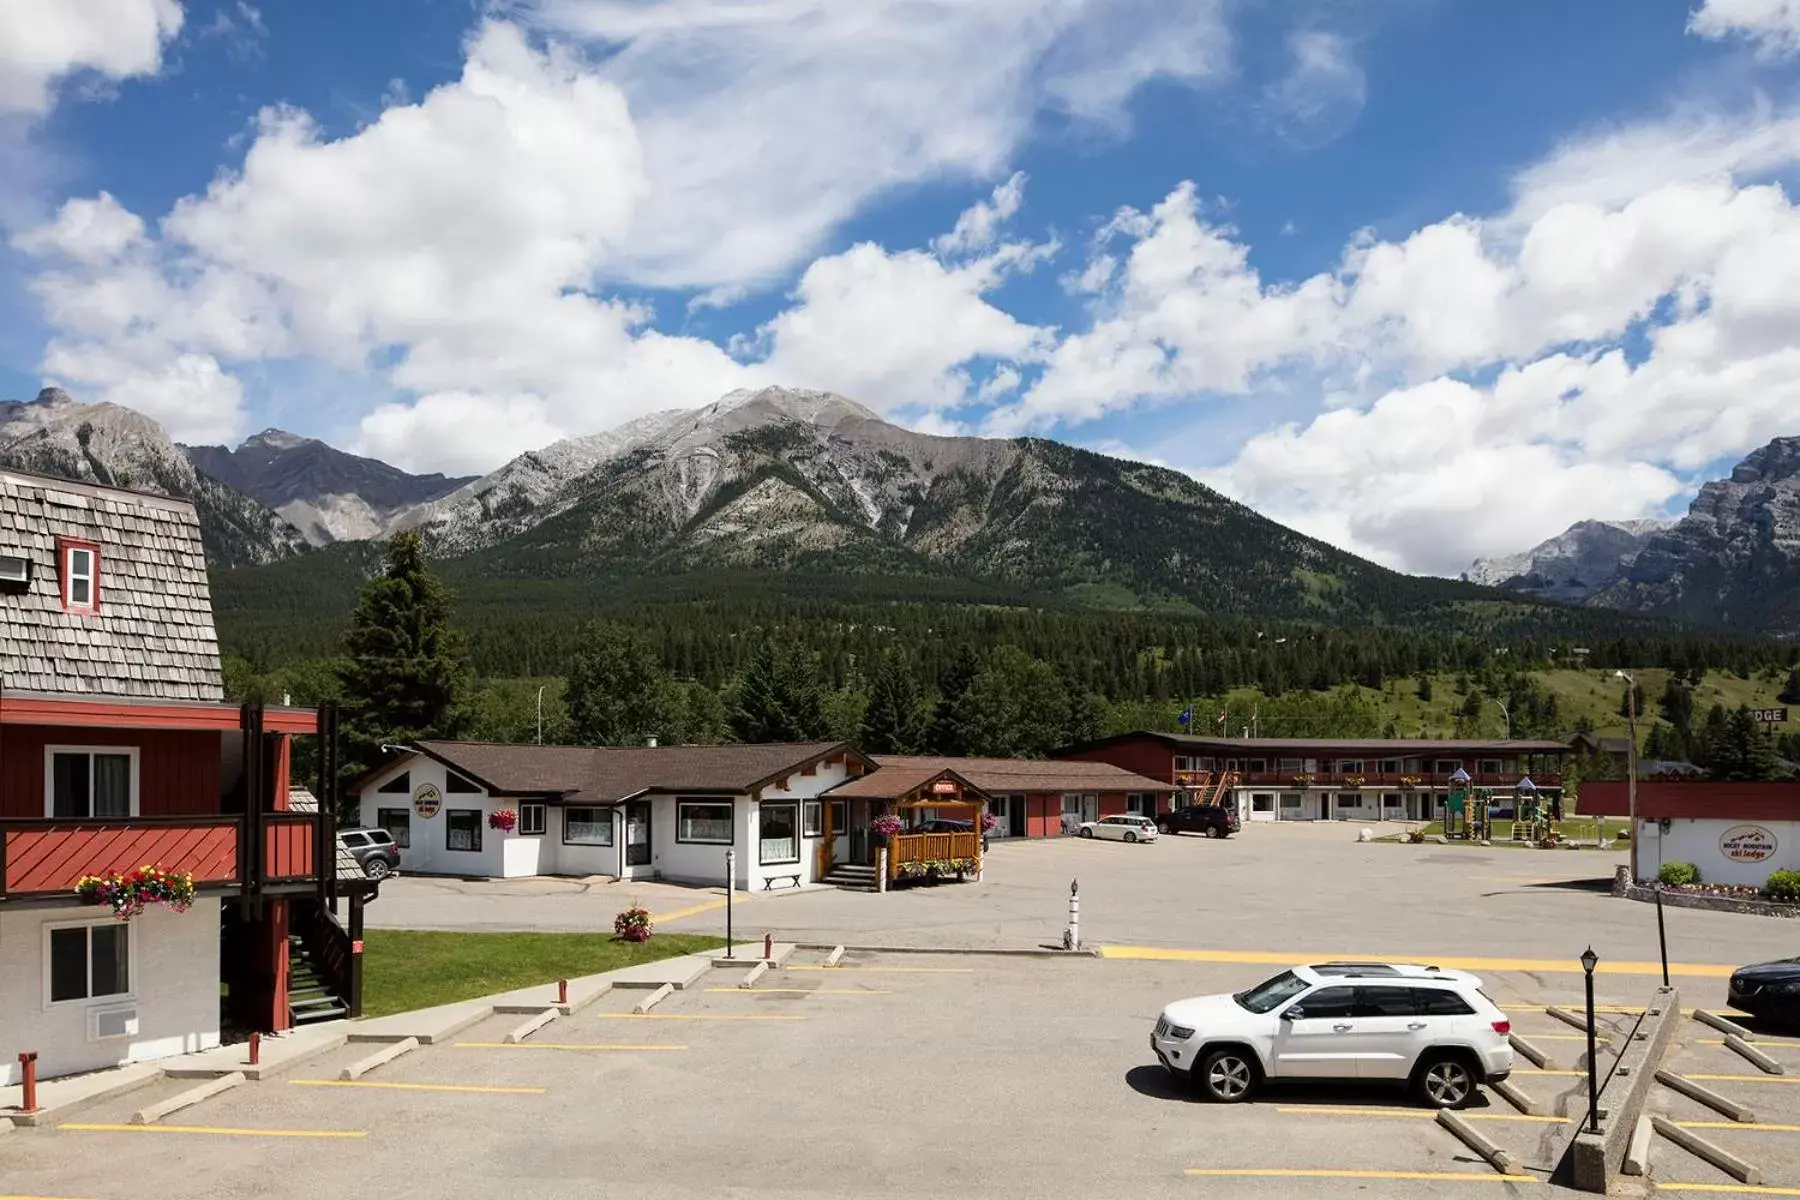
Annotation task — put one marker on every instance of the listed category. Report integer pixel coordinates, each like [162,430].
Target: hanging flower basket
[1303,780]
[1352,783]
[989,822]
[633,925]
[886,826]
[128,894]
[1409,782]
[503,819]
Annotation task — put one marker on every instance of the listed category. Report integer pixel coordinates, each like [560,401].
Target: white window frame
[612,833]
[480,820]
[67,575]
[542,812]
[812,819]
[50,753]
[131,964]
[728,804]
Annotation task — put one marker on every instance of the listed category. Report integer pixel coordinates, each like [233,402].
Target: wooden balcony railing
[904,848]
[1394,781]
[46,858]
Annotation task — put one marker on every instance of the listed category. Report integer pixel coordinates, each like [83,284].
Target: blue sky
[1429,279]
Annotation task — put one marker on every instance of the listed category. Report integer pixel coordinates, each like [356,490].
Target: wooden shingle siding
[178,768]
[53,858]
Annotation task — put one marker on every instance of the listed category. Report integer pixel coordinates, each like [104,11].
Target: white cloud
[1774,25]
[980,223]
[766,125]
[1322,94]
[240,26]
[44,41]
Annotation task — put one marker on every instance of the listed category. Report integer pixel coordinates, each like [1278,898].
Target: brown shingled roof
[602,774]
[1024,774]
[893,782]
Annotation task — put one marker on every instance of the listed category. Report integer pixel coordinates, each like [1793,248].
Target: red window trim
[63,546]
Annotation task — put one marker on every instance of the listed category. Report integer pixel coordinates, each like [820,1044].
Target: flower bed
[128,894]
[633,925]
[937,867]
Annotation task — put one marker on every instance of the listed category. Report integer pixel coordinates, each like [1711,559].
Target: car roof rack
[1355,968]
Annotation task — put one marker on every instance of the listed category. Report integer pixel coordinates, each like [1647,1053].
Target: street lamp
[1588,961]
[540,712]
[1631,755]
[1505,713]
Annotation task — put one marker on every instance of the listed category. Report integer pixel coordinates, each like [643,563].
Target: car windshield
[1271,993]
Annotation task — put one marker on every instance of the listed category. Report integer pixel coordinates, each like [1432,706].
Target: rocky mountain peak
[54,395]
[277,439]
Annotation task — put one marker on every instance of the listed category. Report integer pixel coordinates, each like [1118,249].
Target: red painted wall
[1692,798]
[178,769]
[1146,756]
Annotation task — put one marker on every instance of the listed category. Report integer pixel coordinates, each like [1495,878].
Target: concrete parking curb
[994,951]
[1567,1017]
[653,999]
[1532,1054]
[1730,1028]
[1637,1153]
[381,1057]
[155,1112]
[755,973]
[1763,1061]
[1496,1158]
[837,952]
[530,1026]
[1708,1097]
[1590,1161]
[1744,1172]
[1519,1100]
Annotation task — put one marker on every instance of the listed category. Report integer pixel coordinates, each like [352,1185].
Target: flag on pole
[1186,717]
[1221,721]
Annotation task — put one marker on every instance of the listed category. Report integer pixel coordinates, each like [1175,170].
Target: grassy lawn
[404,969]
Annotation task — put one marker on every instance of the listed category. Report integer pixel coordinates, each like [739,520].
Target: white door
[1090,808]
[1319,1042]
[1389,1031]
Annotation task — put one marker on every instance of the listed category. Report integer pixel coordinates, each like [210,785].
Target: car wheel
[1446,1081]
[1130,836]
[1212,831]
[377,868]
[1227,1076]
[1163,828]
[1087,833]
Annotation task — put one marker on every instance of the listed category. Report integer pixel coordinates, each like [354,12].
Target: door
[1319,1041]
[1071,812]
[1015,822]
[1090,808]
[862,845]
[1389,1031]
[637,834]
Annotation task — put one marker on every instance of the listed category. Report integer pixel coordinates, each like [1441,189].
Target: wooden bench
[769,881]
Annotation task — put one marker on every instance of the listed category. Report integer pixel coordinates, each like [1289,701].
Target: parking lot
[977,1074]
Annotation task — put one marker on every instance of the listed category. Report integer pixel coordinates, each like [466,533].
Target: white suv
[1392,1022]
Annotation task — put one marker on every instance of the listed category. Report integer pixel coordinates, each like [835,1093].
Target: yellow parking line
[218,1131]
[1736,1189]
[1747,1078]
[1449,963]
[1560,1037]
[700,1016]
[1417,1114]
[1758,1041]
[1753,1128]
[557,1046]
[693,911]
[418,1087]
[34,1198]
[763,991]
[1325,1173]
[889,970]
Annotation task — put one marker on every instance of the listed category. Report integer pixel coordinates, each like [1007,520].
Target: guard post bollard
[562,992]
[1072,935]
[28,1081]
[768,946]
[255,1048]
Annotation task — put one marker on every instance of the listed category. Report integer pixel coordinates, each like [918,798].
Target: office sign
[1769,716]
[427,800]
[1748,844]
[944,787]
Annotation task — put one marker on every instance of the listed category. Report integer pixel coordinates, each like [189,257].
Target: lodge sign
[427,800]
[1747,844]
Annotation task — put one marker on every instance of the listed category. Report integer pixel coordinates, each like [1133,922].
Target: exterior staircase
[852,877]
[310,998]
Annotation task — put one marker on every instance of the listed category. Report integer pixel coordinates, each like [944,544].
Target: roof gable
[603,774]
[152,637]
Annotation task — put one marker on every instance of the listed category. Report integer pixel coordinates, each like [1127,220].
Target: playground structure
[1468,813]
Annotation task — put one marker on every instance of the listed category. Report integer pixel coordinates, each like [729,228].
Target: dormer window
[79,571]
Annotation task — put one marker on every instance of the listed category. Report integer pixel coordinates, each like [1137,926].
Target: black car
[1768,990]
[1213,820]
[373,849]
[948,825]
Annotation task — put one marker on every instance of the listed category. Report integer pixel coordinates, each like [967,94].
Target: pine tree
[953,730]
[618,694]
[407,674]
[780,698]
[893,722]
[1790,691]
[1088,714]
[1425,689]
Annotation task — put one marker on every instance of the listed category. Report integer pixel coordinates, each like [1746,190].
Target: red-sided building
[1322,779]
[118,752]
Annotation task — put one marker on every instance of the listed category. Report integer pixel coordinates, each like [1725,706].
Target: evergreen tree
[1632,701]
[1019,705]
[1425,689]
[618,694]
[1088,718]
[407,674]
[780,698]
[893,723]
[953,729]
[1790,691]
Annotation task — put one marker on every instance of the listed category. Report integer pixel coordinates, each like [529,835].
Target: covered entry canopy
[922,784]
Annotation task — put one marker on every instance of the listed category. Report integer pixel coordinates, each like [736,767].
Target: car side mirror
[1293,1014]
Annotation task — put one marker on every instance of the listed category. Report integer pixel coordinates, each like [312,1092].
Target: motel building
[1736,833]
[117,752]
[1322,779]
[1036,798]
[501,811]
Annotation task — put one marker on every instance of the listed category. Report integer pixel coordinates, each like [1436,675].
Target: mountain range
[806,489]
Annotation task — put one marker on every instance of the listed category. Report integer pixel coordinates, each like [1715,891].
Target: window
[815,819]
[534,819]
[89,962]
[398,823]
[1271,993]
[1330,1004]
[1071,803]
[1258,765]
[400,784]
[704,822]
[1290,764]
[1487,766]
[356,841]
[1263,802]
[1390,766]
[839,818]
[779,841]
[1350,766]
[1290,799]
[379,837]
[79,564]
[462,829]
[1440,1002]
[1385,1002]
[456,785]
[90,782]
[1447,766]
[1349,800]
[587,827]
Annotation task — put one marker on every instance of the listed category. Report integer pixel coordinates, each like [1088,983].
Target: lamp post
[1588,961]
[1505,712]
[1631,756]
[730,887]
[540,713]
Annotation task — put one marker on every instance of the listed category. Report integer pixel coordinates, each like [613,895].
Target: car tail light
[1502,1026]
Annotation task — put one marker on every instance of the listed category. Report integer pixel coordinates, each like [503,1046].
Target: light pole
[540,710]
[731,886]
[1505,712]
[1631,755]
[1588,960]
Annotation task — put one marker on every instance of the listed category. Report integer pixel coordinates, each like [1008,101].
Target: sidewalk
[58,1097]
